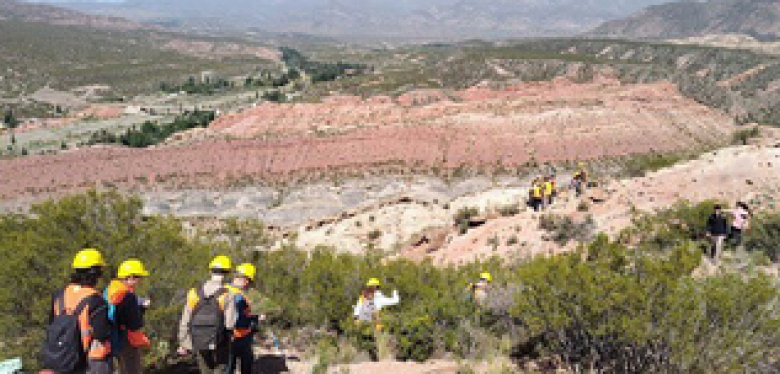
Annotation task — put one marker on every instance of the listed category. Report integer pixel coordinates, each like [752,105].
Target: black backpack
[207,323]
[62,350]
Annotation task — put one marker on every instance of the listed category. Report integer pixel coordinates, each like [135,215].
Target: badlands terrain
[392,172]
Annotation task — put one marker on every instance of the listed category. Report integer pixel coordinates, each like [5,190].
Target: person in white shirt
[372,300]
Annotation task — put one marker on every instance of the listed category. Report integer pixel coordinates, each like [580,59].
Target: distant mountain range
[378,18]
[757,18]
[55,15]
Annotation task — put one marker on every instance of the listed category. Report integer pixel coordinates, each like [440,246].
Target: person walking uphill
[246,324]
[126,312]
[535,195]
[207,320]
[717,230]
[78,337]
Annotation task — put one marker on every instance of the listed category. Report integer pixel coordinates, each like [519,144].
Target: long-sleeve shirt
[366,309]
[129,313]
[717,225]
[209,288]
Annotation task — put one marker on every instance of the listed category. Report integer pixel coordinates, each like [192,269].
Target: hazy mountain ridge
[758,18]
[29,12]
[406,18]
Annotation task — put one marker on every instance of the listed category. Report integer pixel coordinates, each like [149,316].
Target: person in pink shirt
[739,223]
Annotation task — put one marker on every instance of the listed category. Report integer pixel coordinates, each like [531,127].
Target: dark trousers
[129,359]
[241,350]
[735,236]
[213,362]
[105,366]
[536,203]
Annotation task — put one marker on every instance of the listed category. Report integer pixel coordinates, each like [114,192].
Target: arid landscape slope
[758,18]
[523,126]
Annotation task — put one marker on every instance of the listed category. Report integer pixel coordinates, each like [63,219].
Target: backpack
[207,323]
[62,350]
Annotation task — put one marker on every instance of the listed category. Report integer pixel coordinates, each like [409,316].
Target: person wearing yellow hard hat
[126,311]
[91,343]
[480,289]
[372,300]
[247,322]
[366,312]
[536,195]
[208,319]
[580,180]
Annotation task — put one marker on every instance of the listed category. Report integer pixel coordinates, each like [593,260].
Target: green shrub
[620,308]
[764,235]
[415,338]
[374,234]
[563,229]
[509,210]
[670,227]
[741,137]
[38,249]
[463,217]
[644,313]
[640,165]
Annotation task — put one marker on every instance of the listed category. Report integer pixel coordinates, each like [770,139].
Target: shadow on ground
[271,364]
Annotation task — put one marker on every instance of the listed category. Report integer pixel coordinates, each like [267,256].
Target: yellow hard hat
[220,263]
[87,258]
[246,269]
[373,282]
[132,268]
[486,276]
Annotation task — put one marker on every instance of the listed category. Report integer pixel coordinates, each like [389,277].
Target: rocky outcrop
[533,124]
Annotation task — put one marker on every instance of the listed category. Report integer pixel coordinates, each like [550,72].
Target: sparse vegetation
[128,62]
[151,133]
[640,165]
[319,71]
[563,229]
[741,137]
[374,235]
[463,218]
[509,210]
[208,86]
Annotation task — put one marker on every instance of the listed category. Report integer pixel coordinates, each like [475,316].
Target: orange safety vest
[116,292]
[240,332]
[73,295]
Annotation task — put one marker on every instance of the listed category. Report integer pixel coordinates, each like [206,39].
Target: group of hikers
[88,330]
[544,190]
[719,229]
